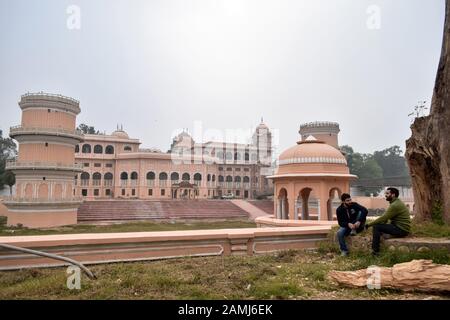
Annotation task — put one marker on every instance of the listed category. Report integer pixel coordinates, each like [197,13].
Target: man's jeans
[345,232]
[379,229]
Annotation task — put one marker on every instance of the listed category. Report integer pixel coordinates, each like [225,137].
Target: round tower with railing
[321,130]
[45,167]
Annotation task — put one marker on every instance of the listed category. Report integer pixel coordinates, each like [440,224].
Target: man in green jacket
[400,221]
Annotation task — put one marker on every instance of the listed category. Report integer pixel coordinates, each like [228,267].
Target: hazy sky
[159,65]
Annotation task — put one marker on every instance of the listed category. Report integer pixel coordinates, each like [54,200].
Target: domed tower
[45,167]
[311,169]
[321,130]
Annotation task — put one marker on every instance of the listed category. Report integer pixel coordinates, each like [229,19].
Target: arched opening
[219,155]
[247,156]
[175,177]
[28,191]
[333,202]
[134,179]
[77,149]
[123,179]
[163,179]
[302,204]
[98,149]
[84,177]
[237,181]
[229,156]
[109,150]
[237,156]
[186,177]
[96,179]
[86,148]
[108,179]
[58,192]
[283,205]
[197,179]
[43,191]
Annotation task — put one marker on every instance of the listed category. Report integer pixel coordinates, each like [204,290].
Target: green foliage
[8,150]
[437,213]
[86,129]
[392,162]
[430,229]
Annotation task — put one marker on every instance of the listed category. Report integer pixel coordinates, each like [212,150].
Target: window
[237,169]
[107,192]
[220,168]
[150,192]
[247,156]
[96,192]
[77,149]
[46,144]
[246,169]
[174,177]
[98,149]
[229,169]
[109,150]
[108,165]
[84,192]
[133,192]
[86,148]
[127,148]
[238,193]
[123,192]
[186,177]
[97,165]
[163,192]
[86,164]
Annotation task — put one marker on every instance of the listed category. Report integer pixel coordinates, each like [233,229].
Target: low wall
[139,246]
[269,222]
[3,210]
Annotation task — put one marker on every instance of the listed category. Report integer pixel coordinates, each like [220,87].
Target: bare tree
[428,148]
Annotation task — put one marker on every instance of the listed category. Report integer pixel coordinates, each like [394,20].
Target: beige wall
[38,152]
[41,118]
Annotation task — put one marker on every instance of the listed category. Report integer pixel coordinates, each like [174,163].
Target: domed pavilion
[309,176]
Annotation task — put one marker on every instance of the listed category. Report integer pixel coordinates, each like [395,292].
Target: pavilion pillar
[323,205]
[292,208]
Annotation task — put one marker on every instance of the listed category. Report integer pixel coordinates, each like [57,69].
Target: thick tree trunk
[428,149]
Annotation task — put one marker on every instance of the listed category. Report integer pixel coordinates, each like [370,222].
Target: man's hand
[351,226]
[357,224]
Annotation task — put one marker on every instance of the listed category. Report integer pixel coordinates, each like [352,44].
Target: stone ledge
[417,244]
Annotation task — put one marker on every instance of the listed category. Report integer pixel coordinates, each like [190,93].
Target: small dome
[120,134]
[310,151]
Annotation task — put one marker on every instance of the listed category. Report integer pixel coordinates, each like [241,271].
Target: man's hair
[394,191]
[345,196]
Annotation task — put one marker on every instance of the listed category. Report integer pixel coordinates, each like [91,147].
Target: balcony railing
[123,183]
[16,130]
[107,182]
[84,182]
[246,185]
[163,183]
[14,199]
[13,164]
[50,95]
[150,183]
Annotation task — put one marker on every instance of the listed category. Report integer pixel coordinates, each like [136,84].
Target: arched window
[246,179]
[214,177]
[237,156]
[124,176]
[96,177]
[229,156]
[229,179]
[127,148]
[86,148]
[98,149]
[219,155]
[186,177]
[174,177]
[254,157]
[109,150]
[247,156]
[107,179]
[77,148]
[220,178]
[163,176]
[85,176]
[151,175]
[208,177]
[134,175]
[237,179]
[197,177]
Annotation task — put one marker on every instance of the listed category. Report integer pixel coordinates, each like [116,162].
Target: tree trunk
[428,148]
[416,275]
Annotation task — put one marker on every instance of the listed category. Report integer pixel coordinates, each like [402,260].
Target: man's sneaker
[353,232]
[344,253]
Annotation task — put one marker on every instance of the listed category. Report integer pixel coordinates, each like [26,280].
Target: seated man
[400,221]
[351,218]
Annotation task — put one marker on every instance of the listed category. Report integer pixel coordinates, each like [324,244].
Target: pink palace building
[113,166]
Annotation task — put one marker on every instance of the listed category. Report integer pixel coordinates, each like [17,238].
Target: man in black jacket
[351,218]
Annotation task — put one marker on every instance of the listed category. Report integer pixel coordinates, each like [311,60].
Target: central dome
[120,134]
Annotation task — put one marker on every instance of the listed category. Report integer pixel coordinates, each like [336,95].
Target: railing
[229,184]
[41,200]
[134,183]
[13,164]
[107,182]
[96,182]
[197,183]
[150,183]
[123,183]
[84,182]
[246,185]
[220,184]
[238,185]
[50,95]
[163,183]
[39,130]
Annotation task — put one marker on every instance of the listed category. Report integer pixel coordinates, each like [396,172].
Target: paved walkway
[252,210]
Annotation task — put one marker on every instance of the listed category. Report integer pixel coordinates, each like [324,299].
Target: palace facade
[114,166]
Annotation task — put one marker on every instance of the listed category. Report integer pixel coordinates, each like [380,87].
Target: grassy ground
[127,227]
[285,275]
